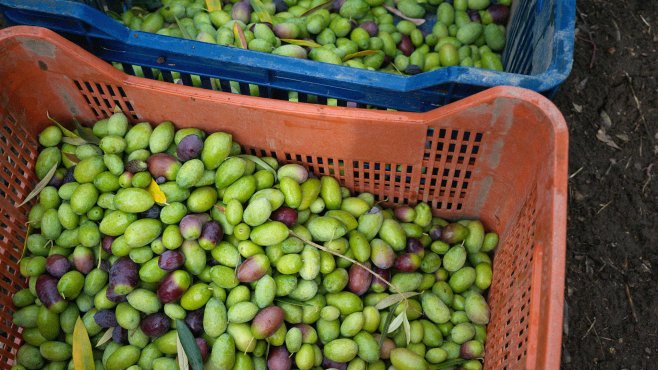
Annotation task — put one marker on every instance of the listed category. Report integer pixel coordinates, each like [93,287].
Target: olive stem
[322,248]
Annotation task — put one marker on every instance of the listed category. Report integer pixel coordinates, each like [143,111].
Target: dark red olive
[155,324]
[286,215]
[370,27]
[106,243]
[171,260]
[203,348]
[279,359]
[405,45]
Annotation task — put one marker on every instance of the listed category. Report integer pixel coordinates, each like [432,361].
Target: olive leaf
[183,363]
[359,54]
[158,195]
[395,324]
[259,9]
[71,157]
[42,184]
[74,140]
[326,4]
[65,131]
[86,133]
[105,338]
[187,347]
[293,302]
[259,162]
[238,33]
[415,21]
[297,42]
[393,299]
[213,5]
[183,30]
[407,327]
[27,234]
[83,357]
[387,324]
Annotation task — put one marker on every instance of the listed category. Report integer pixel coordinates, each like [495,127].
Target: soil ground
[611,104]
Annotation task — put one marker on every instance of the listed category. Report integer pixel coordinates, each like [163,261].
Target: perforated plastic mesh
[442,180]
[509,297]
[17,156]
[102,98]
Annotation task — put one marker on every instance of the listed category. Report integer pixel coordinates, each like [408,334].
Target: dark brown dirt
[611,99]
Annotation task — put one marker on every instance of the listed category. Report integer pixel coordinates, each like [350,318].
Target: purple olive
[359,279]
[286,215]
[413,69]
[435,232]
[280,6]
[499,13]
[415,246]
[190,147]
[336,5]
[241,12]
[405,45]
[155,324]
[105,266]
[120,335]
[57,265]
[160,180]
[106,243]
[279,359]
[474,15]
[211,234]
[136,165]
[203,348]
[106,319]
[113,295]
[68,177]
[194,321]
[83,259]
[153,212]
[124,276]
[47,293]
[371,27]
[192,224]
[171,260]
[163,164]
[328,364]
[58,178]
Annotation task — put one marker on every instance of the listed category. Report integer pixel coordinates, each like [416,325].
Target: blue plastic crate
[538,56]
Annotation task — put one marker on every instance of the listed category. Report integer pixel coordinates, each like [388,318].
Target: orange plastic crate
[500,156]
